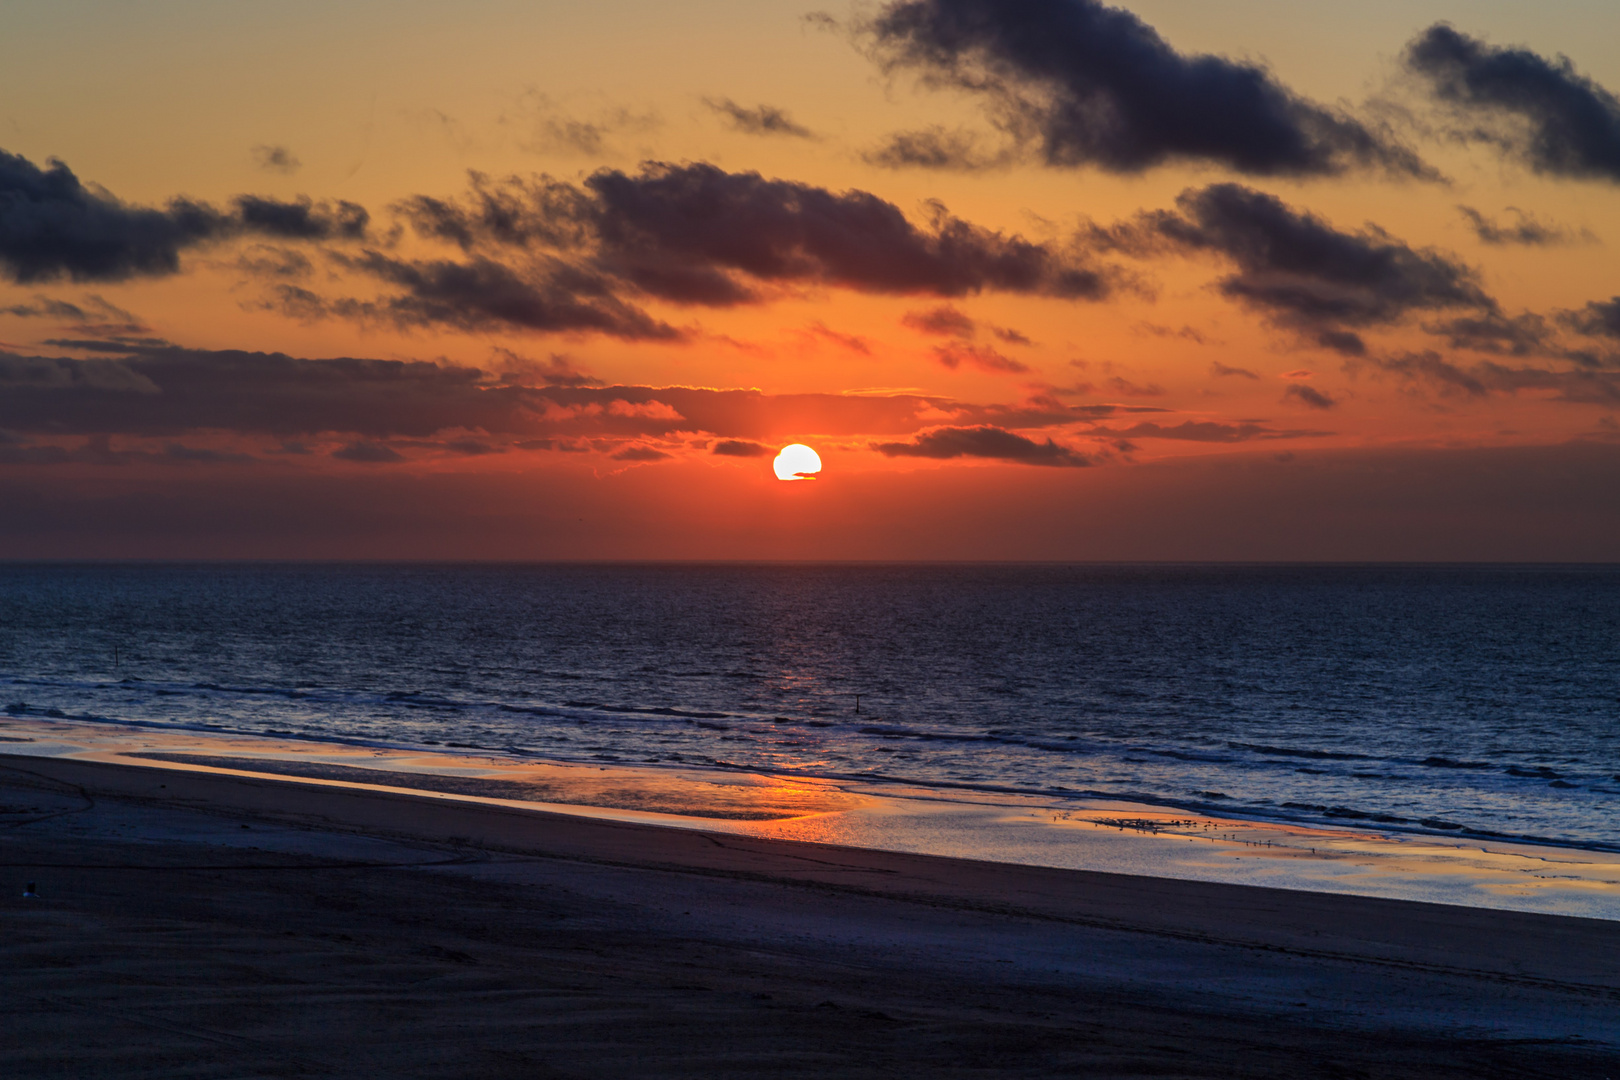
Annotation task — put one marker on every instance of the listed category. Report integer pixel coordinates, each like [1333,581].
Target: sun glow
[797,462]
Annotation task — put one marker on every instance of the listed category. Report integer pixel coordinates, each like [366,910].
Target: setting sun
[797,462]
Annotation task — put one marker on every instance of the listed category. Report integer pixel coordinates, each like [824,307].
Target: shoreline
[1010,828]
[1337,818]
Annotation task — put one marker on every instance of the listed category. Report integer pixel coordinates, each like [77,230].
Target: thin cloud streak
[986,442]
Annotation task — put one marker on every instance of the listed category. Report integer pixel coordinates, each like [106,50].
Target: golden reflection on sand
[1140,839]
[707,795]
[1500,868]
[1031,830]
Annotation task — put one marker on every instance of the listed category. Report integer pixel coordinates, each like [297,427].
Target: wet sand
[198,924]
[1075,833]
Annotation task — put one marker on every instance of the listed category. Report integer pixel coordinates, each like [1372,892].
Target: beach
[198,923]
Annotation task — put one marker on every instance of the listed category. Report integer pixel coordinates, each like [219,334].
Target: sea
[1476,701]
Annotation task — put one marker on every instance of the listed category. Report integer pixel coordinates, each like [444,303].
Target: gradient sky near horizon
[1043,279]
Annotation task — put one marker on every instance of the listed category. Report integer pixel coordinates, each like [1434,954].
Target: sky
[1037,279]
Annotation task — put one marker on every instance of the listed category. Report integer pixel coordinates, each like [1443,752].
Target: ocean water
[1450,700]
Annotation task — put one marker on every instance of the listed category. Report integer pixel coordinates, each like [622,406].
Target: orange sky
[1048,280]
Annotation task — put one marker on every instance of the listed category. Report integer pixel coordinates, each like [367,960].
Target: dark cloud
[938,148]
[560,446]
[481,294]
[1429,368]
[306,305]
[301,218]
[98,450]
[942,321]
[273,261]
[166,391]
[741,448]
[1530,334]
[1493,332]
[778,230]
[696,234]
[1308,396]
[689,234]
[1525,229]
[1090,84]
[640,453]
[760,120]
[160,391]
[21,376]
[983,442]
[1575,387]
[1209,431]
[45,307]
[111,344]
[1557,120]
[1301,271]
[368,453]
[1043,411]
[1600,318]
[947,321]
[276,159]
[518,212]
[982,357]
[556,370]
[53,226]
[754,416]
[94,316]
[1219,369]
[1342,341]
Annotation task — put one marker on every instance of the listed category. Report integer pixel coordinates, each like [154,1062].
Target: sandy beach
[190,923]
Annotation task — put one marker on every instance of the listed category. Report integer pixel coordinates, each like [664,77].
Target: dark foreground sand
[199,925]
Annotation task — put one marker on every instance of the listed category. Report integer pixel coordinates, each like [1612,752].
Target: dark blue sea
[1454,700]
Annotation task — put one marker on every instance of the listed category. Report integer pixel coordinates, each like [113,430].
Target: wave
[1286,751]
[1452,793]
[1210,802]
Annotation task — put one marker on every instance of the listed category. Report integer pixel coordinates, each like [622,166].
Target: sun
[797,462]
